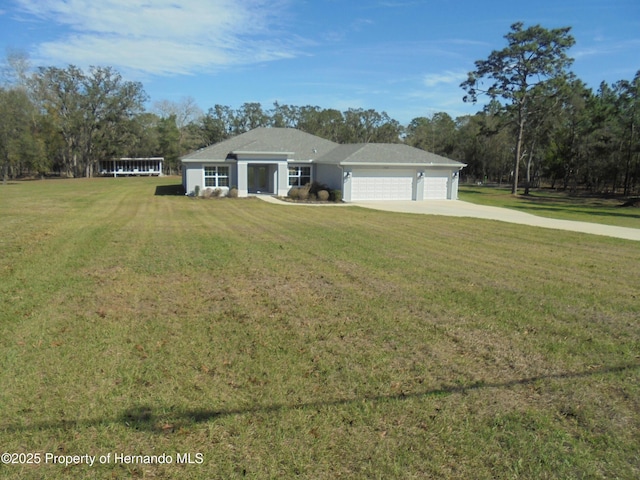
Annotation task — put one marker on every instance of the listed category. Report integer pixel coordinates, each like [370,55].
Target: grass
[284,342]
[556,204]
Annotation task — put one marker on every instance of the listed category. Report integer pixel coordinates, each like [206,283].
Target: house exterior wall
[445,180]
[455,178]
[282,179]
[329,174]
[193,175]
[386,183]
[346,185]
[336,177]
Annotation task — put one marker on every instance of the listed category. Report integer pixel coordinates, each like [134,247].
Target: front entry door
[258,179]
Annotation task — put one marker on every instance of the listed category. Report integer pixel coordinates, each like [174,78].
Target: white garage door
[382,185]
[435,188]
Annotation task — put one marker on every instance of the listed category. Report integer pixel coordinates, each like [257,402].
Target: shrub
[233,192]
[336,195]
[217,193]
[316,187]
[294,193]
[207,193]
[303,192]
[197,191]
[323,195]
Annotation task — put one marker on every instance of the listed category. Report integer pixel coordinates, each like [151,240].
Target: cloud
[446,78]
[164,36]
[361,23]
[608,48]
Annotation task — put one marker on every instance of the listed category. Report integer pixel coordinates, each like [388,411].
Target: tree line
[540,120]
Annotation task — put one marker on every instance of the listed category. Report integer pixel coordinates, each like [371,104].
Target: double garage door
[395,185]
[382,185]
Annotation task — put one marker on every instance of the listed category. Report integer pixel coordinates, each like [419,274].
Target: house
[273,160]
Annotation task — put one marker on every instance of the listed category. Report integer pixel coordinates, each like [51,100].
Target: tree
[87,110]
[533,57]
[569,140]
[140,136]
[20,145]
[629,119]
[326,123]
[169,143]
[217,124]
[284,116]
[14,72]
[188,118]
[367,126]
[249,116]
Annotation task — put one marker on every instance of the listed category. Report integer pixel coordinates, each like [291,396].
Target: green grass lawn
[556,204]
[292,341]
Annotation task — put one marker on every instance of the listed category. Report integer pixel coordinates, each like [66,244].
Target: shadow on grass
[142,417]
[169,190]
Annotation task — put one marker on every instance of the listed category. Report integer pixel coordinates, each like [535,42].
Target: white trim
[249,152]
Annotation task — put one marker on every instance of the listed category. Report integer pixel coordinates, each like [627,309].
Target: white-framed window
[215,176]
[299,176]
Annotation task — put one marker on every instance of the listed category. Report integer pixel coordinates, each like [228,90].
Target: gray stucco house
[272,160]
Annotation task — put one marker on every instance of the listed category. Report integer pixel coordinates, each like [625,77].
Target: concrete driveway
[457,208]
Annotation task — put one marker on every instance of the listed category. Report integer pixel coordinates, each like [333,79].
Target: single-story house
[273,160]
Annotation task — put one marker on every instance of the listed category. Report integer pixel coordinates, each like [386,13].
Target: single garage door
[435,188]
[382,185]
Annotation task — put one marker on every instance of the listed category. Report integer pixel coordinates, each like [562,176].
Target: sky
[403,57]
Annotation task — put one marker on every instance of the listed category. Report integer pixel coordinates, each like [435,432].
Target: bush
[217,193]
[323,195]
[294,193]
[303,192]
[233,192]
[207,193]
[336,195]
[316,187]
[197,191]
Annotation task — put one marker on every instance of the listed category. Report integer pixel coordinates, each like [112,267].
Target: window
[216,176]
[299,176]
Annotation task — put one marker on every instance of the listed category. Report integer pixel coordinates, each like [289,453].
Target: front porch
[262,177]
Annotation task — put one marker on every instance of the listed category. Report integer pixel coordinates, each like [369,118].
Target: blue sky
[404,57]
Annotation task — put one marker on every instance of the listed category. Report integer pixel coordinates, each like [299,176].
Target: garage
[435,188]
[382,184]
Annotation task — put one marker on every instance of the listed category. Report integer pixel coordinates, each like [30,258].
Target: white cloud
[164,36]
[447,78]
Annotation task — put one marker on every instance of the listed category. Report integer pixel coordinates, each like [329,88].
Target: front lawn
[273,341]
[556,204]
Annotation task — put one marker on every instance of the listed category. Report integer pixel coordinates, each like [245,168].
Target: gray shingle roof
[301,146]
[384,154]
